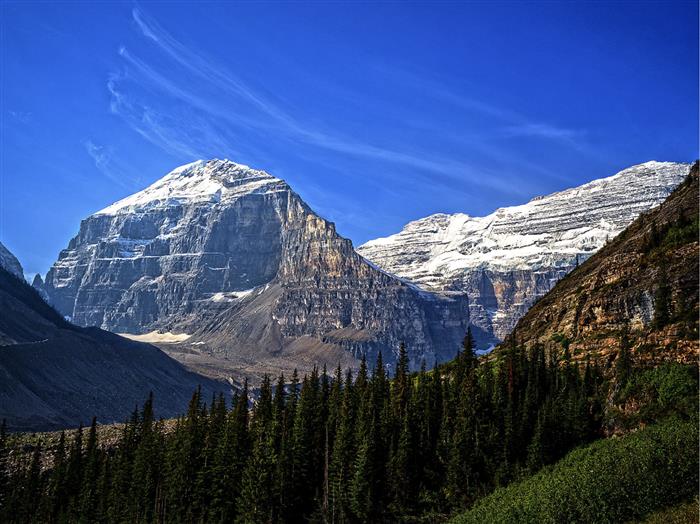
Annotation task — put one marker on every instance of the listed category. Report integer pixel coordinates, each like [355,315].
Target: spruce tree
[623,362]
[91,470]
[257,501]
[343,454]
[662,300]
[4,471]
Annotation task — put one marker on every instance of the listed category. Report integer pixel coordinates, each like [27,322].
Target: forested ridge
[339,448]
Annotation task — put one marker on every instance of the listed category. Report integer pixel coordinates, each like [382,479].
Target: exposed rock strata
[619,288]
[235,257]
[509,259]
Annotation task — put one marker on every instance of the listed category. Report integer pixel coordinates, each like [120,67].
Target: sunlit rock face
[507,260]
[234,256]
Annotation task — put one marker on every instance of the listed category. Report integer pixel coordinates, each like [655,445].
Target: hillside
[642,286]
[56,375]
[10,262]
[611,480]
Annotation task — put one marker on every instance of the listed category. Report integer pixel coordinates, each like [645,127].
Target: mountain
[56,375]
[233,257]
[507,260]
[9,262]
[643,283]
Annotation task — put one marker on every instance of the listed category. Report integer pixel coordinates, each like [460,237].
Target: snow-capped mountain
[200,182]
[235,258]
[508,259]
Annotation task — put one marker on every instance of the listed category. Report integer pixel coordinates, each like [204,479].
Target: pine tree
[468,353]
[32,487]
[341,467]
[184,460]
[57,484]
[403,481]
[662,300]
[536,457]
[365,489]
[147,464]
[231,455]
[623,362]
[91,470]
[4,471]
[74,473]
[257,501]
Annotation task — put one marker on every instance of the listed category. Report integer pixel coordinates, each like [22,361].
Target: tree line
[344,448]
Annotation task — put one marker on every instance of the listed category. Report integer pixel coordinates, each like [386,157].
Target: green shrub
[682,232]
[668,389]
[611,480]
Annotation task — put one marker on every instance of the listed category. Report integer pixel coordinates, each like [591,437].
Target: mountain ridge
[505,260]
[642,287]
[9,261]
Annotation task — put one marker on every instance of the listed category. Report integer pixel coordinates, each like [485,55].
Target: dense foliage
[420,446]
[340,449]
[612,480]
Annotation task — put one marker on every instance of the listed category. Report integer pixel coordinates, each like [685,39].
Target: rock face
[56,375]
[9,262]
[234,256]
[644,283]
[507,260]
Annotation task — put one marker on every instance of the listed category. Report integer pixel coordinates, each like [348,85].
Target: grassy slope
[685,513]
[611,480]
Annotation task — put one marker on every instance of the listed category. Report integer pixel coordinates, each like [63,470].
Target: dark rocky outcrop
[10,262]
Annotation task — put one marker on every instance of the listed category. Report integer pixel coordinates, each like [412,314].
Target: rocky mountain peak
[234,257]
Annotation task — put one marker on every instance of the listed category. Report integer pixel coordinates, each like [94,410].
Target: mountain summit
[199,182]
[506,260]
[235,258]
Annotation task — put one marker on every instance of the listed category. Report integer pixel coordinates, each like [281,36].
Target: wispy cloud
[21,116]
[214,74]
[544,131]
[107,163]
[231,108]
[510,122]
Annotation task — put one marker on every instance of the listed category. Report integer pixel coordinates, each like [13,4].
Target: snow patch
[203,182]
[548,232]
[156,336]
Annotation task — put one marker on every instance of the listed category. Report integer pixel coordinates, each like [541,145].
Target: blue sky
[377,114]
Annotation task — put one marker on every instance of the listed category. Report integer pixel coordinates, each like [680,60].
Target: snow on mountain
[200,181]
[235,257]
[507,259]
